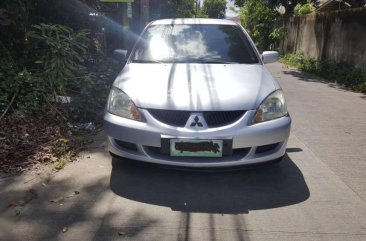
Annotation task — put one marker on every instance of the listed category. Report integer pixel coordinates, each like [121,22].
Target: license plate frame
[179,147]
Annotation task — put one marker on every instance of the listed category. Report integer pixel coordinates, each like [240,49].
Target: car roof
[176,21]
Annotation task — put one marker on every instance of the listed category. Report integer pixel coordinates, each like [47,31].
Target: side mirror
[120,55]
[270,56]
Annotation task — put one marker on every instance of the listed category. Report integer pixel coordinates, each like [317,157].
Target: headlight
[273,107]
[120,104]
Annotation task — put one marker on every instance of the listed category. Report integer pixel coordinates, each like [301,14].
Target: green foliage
[62,161]
[61,52]
[200,14]
[278,33]
[27,90]
[214,8]
[61,64]
[38,63]
[341,73]
[303,9]
[88,103]
[177,9]
[259,19]
[274,4]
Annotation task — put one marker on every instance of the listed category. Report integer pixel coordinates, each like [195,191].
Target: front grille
[171,117]
[221,118]
[213,118]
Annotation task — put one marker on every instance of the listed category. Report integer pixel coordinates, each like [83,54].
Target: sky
[230,13]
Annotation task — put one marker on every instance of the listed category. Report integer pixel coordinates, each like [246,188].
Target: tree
[214,8]
[259,19]
[177,8]
[289,5]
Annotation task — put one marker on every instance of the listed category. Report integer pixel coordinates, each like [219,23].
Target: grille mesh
[213,118]
[221,118]
[171,117]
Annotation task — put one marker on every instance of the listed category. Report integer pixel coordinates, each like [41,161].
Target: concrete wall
[335,36]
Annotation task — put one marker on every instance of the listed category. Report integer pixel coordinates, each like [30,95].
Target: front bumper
[246,140]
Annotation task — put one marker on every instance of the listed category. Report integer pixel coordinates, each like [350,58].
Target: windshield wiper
[145,61]
[212,61]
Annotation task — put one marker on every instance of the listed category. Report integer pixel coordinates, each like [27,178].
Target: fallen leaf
[17,211]
[64,230]
[56,200]
[74,193]
[13,205]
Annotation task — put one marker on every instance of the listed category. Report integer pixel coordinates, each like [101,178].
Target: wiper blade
[145,61]
[213,61]
[216,62]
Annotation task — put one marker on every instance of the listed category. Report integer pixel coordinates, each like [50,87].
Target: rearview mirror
[270,56]
[120,55]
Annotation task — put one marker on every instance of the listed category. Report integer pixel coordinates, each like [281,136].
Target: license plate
[196,148]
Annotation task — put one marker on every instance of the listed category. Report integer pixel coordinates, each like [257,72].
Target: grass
[63,160]
[340,73]
[66,149]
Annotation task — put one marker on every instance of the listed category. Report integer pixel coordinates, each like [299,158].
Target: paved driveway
[317,193]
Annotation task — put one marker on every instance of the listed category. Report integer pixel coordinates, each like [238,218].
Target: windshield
[196,43]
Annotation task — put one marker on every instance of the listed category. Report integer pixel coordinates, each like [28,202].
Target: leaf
[17,211]
[56,200]
[65,229]
[73,194]
[13,205]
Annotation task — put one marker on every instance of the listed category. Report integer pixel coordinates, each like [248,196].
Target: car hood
[196,87]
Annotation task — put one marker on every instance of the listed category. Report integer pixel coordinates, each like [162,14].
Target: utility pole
[197,4]
[144,12]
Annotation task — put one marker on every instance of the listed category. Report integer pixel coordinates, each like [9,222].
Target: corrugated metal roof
[331,5]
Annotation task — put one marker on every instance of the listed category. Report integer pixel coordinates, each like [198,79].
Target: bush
[61,53]
[341,73]
[303,9]
[88,103]
[21,87]
[60,65]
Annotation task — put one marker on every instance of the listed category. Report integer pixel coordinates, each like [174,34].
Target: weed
[340,73]
[63,160]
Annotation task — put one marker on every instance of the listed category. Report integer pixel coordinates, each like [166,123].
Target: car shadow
[232,192]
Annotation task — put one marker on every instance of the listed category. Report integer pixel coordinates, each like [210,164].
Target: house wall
[338,36]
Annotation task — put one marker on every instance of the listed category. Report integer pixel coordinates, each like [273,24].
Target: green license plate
[196,147]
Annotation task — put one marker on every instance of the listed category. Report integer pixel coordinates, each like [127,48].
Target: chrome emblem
[196,121]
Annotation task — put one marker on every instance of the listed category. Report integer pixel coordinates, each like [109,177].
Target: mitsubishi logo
[196,122]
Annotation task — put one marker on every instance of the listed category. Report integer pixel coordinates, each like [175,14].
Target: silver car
[196,93]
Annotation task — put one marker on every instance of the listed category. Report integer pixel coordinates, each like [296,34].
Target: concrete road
[317,192]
